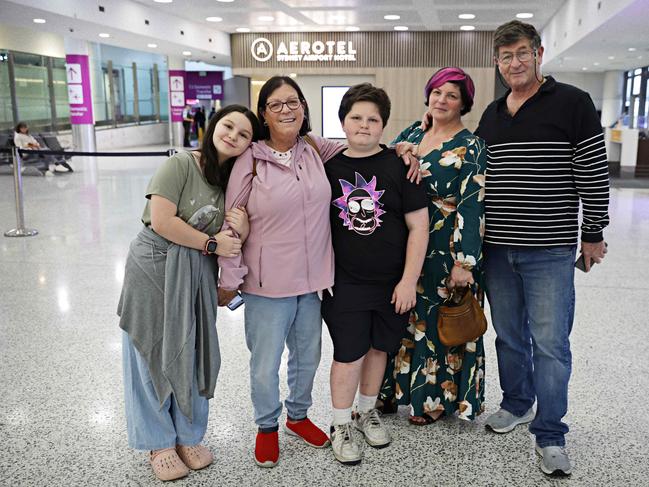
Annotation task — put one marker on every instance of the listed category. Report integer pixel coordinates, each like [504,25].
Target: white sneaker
[370,423]
[345,447]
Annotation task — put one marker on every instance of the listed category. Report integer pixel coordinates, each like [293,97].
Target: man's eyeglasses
[277,106]
[522,56]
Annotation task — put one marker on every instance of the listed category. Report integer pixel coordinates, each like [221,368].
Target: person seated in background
[24,140]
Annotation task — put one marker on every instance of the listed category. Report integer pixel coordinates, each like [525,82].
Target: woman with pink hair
[435,380]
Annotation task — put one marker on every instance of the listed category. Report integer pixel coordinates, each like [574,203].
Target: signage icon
[261,49]
[177,83]
[177,99]
[75,94]
[73,72]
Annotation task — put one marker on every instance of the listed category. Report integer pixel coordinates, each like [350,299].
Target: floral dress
[425,374]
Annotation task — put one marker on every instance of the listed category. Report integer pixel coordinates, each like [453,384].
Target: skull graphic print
[359,205]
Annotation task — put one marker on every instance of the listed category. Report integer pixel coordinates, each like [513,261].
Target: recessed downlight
[104,35]
[214,19]
[225,1]
[242,29]
[400,27]
[467,27]
[524,15]
[187,53]
[352,28]
[152,45]
[611,58]
[466,16]
[392,17]
[39,21]
[632,49]
[163,1]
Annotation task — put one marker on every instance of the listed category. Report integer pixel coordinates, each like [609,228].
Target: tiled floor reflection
[61,407]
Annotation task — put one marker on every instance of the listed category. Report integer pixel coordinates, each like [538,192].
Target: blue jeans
[149,426]
[531,293]
[270,324]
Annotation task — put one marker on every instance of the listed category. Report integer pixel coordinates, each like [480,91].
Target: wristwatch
[210,246]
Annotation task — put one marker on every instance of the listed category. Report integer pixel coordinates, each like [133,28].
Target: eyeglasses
[277,106]
[522,56]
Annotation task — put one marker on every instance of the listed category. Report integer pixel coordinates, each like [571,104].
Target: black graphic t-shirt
[370,196]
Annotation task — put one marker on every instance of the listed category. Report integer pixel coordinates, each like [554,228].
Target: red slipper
[309,432]
[267,449]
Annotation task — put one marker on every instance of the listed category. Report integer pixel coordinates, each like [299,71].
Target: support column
[612,97]
[80,94]
[176,99]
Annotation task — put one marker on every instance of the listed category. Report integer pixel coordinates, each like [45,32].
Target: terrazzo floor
[61,406]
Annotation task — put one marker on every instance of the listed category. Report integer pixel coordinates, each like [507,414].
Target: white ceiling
[336,15]
[623,37]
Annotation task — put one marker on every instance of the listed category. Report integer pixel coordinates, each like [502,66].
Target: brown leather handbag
[460,319]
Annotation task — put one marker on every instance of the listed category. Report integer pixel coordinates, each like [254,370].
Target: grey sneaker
[503,421]
[370,423]
[554,461]
[345,447]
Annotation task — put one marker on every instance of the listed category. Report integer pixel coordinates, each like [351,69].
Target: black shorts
[357,325]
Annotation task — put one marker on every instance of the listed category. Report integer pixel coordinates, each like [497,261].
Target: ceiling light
[104,35]
[152,45]
[467,27]
[293,75]
[187,53]
[39,21]
[466,16]
[225,1]
[242,29]
[265,18]
[400,27]
[163,1]
[595,64]
[392,17]
[214,19]
[352,28]
[525,15]
[631,49]
[639,57]
[584,68]
[611,57]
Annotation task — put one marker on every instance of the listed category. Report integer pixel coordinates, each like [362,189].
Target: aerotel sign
[298,51]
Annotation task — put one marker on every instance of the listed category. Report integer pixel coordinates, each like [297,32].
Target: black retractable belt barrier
[20,230]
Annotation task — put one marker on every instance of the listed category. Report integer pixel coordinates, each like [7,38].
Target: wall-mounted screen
[331,96]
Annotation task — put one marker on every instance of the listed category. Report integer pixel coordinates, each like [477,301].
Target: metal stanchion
[20,230]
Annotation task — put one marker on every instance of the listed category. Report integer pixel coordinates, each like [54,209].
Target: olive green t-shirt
[181,181]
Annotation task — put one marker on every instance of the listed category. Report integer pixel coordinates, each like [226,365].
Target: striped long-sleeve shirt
[540,164]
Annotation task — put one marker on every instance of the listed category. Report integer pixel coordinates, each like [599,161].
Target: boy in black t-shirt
[379,226]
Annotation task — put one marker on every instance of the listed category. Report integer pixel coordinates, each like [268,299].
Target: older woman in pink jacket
[287,260]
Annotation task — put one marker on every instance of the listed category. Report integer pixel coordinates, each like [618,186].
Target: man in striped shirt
[545,154]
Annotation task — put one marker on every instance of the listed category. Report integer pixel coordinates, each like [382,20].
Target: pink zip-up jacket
[288,251]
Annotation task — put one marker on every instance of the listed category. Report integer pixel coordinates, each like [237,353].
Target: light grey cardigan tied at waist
[168,308]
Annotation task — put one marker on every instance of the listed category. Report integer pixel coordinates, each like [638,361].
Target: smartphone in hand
[236,302]
[581,265]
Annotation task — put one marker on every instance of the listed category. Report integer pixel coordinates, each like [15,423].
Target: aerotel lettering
[299,51]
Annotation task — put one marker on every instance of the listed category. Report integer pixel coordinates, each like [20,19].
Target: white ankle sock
[342,416]
[366,403]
